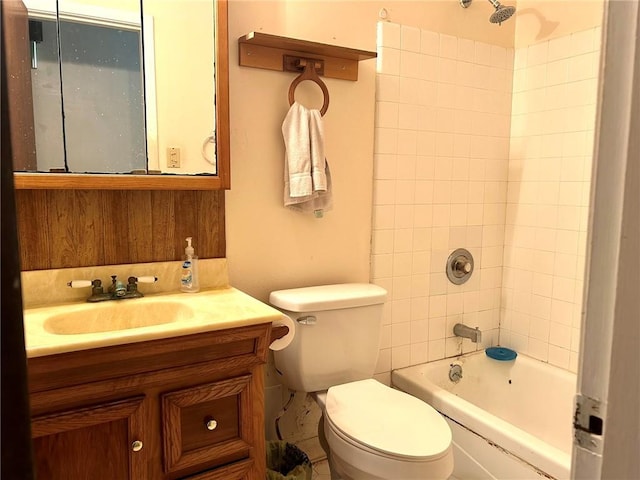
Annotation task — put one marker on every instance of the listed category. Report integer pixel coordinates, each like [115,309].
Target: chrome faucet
[116,291]
[461,330]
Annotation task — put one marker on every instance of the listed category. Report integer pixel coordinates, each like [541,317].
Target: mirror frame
[220,181]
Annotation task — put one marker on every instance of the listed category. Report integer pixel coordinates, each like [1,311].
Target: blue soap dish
[501,353]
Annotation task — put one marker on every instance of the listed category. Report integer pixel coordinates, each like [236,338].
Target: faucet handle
[146,279]
[96,285]
[133,281]
[84,283]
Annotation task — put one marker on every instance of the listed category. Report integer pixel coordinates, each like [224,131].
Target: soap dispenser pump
[189,279]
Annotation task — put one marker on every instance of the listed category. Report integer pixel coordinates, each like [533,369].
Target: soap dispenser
[189,281]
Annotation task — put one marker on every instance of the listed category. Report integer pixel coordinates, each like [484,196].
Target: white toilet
[372,431]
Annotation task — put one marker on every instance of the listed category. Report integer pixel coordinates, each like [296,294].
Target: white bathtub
[510,420]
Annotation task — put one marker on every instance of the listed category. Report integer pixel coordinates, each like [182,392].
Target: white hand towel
[316,136]
[295,130]
[305,166]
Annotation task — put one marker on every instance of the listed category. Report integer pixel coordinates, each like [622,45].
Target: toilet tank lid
[328,297]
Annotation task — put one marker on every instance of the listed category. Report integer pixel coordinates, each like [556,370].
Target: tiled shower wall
[552,129]
[481,148]
[441,168]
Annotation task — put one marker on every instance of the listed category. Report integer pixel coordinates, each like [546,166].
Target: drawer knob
[136,446]
[211,424]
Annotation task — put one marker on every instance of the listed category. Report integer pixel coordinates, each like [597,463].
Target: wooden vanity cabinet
[184,407]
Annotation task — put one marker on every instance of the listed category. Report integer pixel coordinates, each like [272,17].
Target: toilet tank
[337,335]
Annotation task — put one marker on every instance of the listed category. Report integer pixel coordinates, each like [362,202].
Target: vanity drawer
[207,425]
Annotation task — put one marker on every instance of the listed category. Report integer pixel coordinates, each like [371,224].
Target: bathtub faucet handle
[455,373]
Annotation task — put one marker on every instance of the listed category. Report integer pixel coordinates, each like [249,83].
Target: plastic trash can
[285,461]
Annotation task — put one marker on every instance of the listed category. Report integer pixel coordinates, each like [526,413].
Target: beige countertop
[153,317]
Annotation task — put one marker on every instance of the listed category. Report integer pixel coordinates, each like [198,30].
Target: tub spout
[474,334]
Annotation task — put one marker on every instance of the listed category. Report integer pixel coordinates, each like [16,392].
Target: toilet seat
[387,422]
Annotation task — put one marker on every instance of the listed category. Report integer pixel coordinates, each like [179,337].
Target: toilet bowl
[376,433]
[371,431]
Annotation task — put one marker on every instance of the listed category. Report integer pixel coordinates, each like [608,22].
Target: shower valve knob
[459,266]
[462,265]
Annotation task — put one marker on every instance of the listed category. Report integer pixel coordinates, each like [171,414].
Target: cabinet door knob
[211,424]
[136,446]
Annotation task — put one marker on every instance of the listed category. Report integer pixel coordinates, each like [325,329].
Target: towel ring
[309,73]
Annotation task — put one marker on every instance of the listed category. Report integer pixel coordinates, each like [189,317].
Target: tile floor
[321,470]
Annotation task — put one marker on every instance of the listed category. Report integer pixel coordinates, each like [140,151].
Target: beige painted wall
[540,20]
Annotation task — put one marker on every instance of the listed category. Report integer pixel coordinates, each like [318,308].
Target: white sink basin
[117,315]
[81,326]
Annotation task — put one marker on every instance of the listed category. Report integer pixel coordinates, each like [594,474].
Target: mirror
[142,87]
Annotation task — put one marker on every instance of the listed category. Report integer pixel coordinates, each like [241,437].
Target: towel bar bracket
[291,63]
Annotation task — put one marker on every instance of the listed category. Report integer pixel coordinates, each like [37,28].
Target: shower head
[502,12]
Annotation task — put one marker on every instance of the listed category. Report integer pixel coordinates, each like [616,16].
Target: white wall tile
[402,240]
[382,242]
[407,142]
[385,166]
[428,67]
[437,326]
[410,64]
[383,217]
[436,350]
[559,357]
[560,48]
[581,67]
[537,54]
[407,116]
[466,50]
[388,34]
[382,266]
[427,94]
[406,167]
[583,42]
[429,42]
[446,96]
[519,59]
[498,57]
[384,192]
[387,88]
[447,70]
[483,53]
[400,334]
[409,90]
[448,46]
[400,357]
[419,353]
[386,140]
[509,65]
[410,38]
[387,114]
[388,61]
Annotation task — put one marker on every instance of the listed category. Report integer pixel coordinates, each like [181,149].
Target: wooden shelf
[262,50]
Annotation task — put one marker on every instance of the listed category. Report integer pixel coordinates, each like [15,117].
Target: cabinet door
[208,426]
[100,442]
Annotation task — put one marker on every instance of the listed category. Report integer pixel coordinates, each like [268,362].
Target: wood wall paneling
[78,228]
